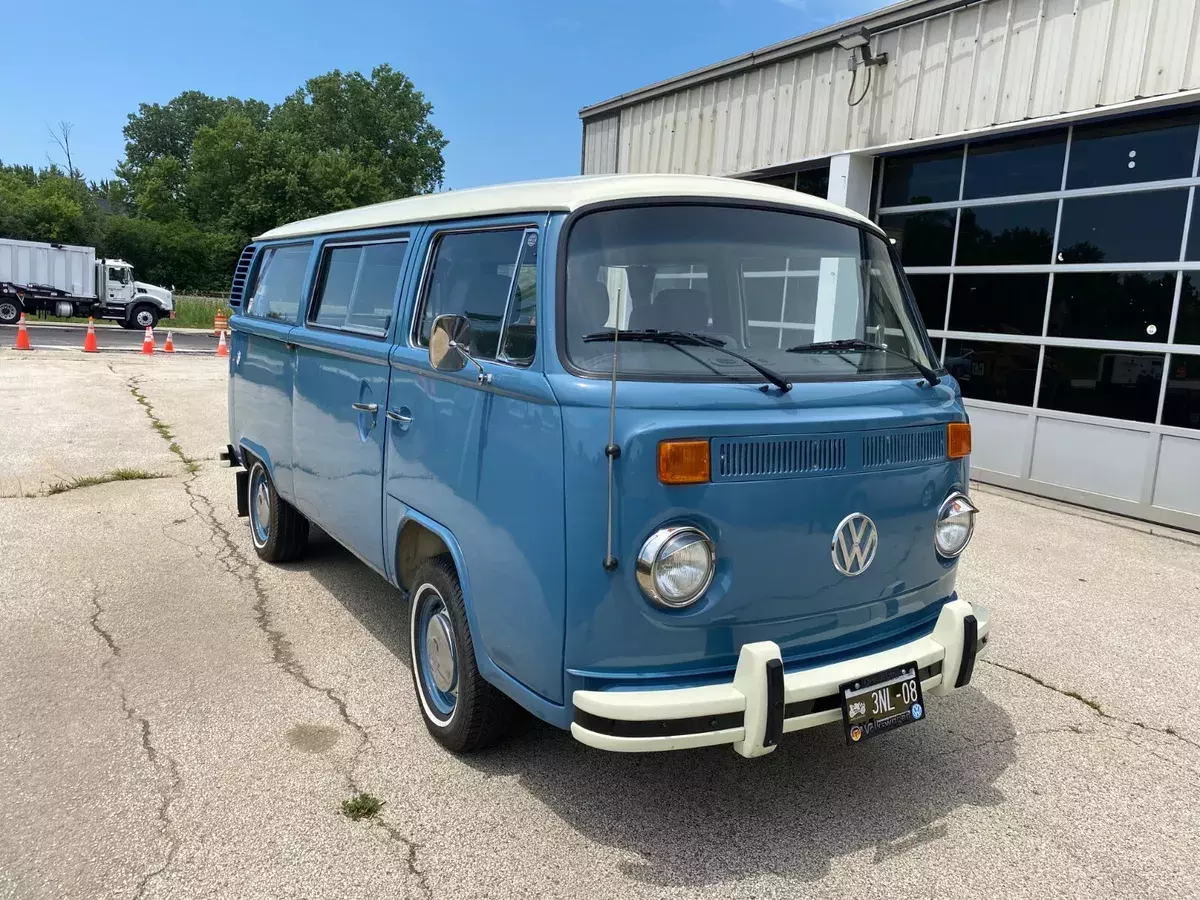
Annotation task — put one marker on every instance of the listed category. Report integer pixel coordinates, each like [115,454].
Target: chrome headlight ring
[676,565]
[955,525]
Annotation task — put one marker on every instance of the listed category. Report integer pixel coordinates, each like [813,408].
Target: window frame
[435,237]
[341,243]
[256,272]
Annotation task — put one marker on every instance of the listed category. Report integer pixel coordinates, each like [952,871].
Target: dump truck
[65,281]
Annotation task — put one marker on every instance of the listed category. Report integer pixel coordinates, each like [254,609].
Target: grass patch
[361,806]
[190,312]
[62,487]
[195,312]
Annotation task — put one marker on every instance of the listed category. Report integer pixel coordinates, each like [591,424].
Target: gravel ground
[179,720]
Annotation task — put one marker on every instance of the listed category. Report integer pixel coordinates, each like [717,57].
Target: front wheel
[461,710]
[10,311]
[279,530]
[143,316]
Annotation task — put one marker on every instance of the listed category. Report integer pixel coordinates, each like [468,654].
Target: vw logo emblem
[854,543]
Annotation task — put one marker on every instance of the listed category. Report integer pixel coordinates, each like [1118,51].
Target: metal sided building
[1035,162]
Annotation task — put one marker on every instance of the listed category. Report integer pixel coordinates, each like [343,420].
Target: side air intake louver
[240,274]
[904,447]
[778,457]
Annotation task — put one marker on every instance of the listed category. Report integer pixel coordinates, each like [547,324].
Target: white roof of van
[552,195]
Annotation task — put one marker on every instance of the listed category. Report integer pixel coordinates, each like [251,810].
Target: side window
[357,286]
[472,276]
[280,282]
[520,330]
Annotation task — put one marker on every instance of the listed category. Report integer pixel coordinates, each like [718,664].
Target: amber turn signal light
[958,440]
[683,462]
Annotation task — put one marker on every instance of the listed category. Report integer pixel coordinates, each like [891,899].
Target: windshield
[758,281]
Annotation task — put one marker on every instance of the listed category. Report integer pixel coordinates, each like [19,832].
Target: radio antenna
[612,450]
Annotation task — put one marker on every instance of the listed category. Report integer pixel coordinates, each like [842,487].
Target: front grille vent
[904,447]
[778,457]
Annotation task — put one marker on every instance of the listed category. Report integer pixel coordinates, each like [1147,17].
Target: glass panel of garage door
[1140,227]
[1151,148]
[1110,383]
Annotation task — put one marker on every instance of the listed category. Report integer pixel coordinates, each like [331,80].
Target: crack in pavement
[165,767]
[1093,705]
[237,563]
[412,848]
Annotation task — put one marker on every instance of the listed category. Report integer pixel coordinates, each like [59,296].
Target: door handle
[365,407]
[403,419]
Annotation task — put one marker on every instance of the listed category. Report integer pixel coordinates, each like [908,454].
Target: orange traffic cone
[148,342]
[222,350]
[22,336]
[169,346]
[89,342]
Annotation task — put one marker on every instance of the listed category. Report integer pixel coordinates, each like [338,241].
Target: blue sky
[506,79]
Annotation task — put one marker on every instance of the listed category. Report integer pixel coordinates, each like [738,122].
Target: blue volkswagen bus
[666,460]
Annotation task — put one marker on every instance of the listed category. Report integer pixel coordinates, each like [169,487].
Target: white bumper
[742,713]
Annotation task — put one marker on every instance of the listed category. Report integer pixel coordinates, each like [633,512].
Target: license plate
[881,702]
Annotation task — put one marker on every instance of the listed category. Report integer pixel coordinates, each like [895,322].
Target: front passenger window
[472,275]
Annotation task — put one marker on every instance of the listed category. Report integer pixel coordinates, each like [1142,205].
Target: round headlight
[955,525]
[675,566]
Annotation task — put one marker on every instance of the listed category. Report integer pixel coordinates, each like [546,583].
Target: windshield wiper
[675,338]
[858,344]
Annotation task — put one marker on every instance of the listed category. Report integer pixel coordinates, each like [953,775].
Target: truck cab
[133,303]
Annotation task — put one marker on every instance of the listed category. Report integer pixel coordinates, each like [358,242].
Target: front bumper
[763,701]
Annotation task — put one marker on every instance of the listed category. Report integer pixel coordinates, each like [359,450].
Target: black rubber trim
[658,727]
[773,730]
[705,724]
[970,648]
[243,493]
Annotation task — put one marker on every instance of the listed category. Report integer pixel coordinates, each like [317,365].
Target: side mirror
[448,340]
[448,343]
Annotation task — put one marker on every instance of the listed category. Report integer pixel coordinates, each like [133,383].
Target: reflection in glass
[922,177]
[1181,407]
[1006,304]
[813,181]
[930,293]
[1126,306]
[1187,325]
[987,370]
[922,239]
[1025,166]
[1144,227]
[1009,234]
[1101,382]
[1139,149]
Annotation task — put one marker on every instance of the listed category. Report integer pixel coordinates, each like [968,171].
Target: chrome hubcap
[439,651]
[262,504]
[8,311]
[145,319]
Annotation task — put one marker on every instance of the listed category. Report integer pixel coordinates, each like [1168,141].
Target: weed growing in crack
[361,806]
[83,481]
[163,429]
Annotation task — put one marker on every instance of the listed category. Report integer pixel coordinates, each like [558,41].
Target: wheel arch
[402,516]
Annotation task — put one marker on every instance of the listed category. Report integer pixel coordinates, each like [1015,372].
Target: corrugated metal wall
[991,63]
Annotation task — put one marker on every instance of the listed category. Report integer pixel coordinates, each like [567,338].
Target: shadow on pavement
[707,816]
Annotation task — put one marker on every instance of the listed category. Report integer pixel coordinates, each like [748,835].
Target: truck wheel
[461,710]
[10,311]
[144,315]
[279,530]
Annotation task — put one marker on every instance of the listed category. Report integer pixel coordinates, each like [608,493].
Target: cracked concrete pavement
[178,719]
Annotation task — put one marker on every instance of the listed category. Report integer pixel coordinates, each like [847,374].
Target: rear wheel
[10,311]
[461,710]
[279,531]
